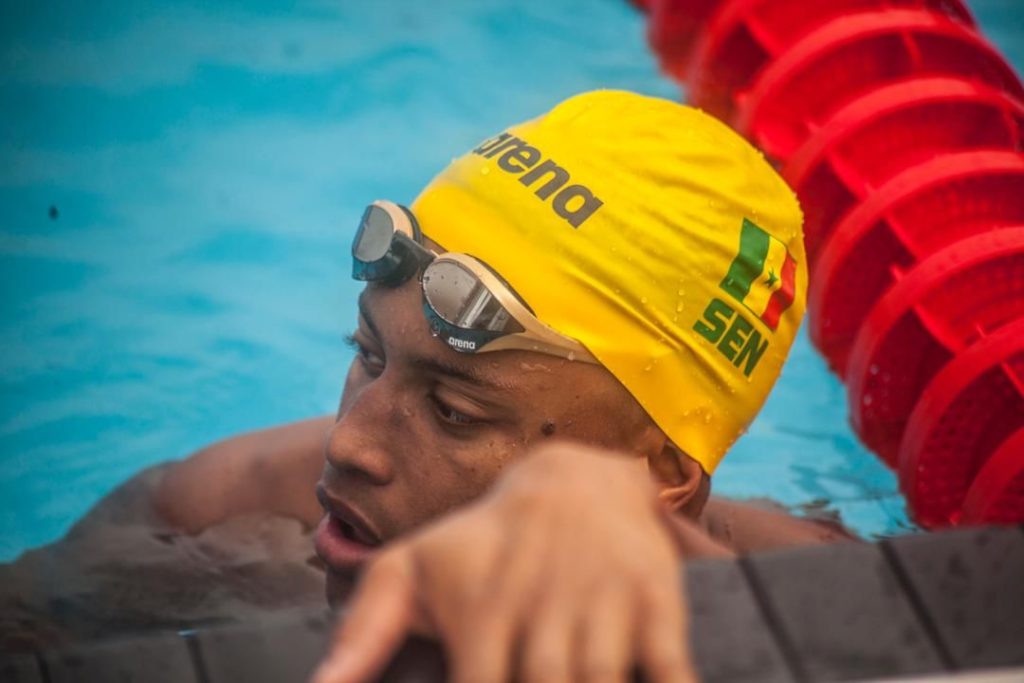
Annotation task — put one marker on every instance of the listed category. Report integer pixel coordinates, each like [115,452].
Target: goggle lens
[373,239]
[387,248]
[461,300]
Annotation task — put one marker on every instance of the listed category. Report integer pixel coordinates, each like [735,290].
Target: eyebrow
[461,372]
[437,366]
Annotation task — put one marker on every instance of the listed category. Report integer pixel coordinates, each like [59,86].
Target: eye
[371,361]
[450,415]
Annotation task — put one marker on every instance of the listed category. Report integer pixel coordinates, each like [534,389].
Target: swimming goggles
[469,306]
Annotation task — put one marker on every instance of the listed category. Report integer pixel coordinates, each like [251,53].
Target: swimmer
[557,344]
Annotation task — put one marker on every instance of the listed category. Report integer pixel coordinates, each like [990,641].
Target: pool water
[178,188]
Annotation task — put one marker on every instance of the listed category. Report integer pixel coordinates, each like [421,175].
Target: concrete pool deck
[925,607]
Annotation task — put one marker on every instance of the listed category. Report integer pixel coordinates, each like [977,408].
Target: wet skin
[422,429]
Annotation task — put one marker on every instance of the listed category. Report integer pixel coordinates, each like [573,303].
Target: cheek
[434,471]
[450,476]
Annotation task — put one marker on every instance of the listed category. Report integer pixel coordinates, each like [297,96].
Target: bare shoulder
[271,470]
[755,526]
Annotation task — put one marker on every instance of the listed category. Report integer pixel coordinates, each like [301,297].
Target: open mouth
[344,540]
[341,545]
[352,533]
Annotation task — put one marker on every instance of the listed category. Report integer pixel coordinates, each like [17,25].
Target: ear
[679,479]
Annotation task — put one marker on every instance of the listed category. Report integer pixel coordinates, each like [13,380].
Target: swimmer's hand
[565,571]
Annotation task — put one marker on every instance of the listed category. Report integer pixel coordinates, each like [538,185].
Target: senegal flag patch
[762,276]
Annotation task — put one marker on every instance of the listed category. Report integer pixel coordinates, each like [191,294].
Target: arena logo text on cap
[573,202]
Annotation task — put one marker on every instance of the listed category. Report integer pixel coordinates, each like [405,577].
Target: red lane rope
[901,129]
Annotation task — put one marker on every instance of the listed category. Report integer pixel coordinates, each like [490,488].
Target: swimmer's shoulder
[270,471]
[755,526]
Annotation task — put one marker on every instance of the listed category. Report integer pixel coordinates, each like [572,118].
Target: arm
[272,470]
[130,503]
[750,528]
[130,564]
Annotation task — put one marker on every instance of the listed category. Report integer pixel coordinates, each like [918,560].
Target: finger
[481,642]
[664,646]
[547,643]
[605,642]
[479,650]
[378,618]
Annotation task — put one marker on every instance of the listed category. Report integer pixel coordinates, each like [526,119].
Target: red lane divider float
[674,27]
[888,130]
[933,312]
[845,58]
[925,208]
[963,443]
[743,36]
[997,494]
[902,131]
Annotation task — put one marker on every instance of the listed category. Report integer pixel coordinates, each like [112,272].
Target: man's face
[422,429]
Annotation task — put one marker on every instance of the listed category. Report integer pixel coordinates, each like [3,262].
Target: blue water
[204,168]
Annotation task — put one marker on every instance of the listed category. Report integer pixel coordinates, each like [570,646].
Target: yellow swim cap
[651,233]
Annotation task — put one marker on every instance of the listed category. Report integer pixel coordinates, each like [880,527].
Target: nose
[362,439]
